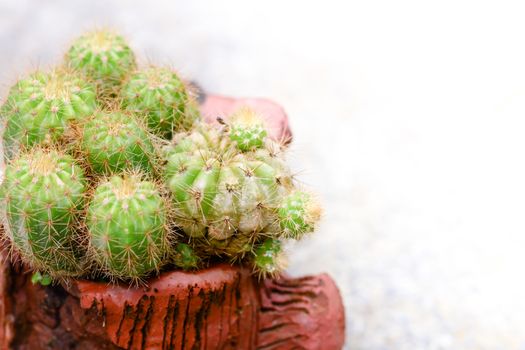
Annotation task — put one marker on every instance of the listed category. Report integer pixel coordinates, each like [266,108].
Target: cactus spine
[44,194]
[104,58]
[40,108]
[162,97]
[127,226]
[115,141]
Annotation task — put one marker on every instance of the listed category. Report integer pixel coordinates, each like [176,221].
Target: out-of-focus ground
[408,120]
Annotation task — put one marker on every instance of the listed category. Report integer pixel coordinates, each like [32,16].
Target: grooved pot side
[223,307]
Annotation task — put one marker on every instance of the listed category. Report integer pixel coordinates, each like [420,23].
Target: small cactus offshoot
[269,258]
[162,98]
[298,214]
[185,257]
[247,130]
[126,221]
[44,195]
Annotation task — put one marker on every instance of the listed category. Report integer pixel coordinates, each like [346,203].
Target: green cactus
[226,187]
[269,258]
[127,225]
[185,257]
[298,214]
[247,130]
[115,141]
[44,194]
[40,108]
[222,194]
[162,97]
[104,57]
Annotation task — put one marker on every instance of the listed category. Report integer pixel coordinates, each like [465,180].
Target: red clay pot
[222,307]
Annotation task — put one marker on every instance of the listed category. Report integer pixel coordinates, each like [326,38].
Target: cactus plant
[114,141]
[233,194]
[269,258]
[247,130]
[40,108]
[126,221]
[185,257]
[227,188]
[298,214]
[44,193]
[104,57]
[225,196]
[162,97]
[218,190]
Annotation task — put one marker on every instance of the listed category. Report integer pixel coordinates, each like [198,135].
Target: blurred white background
[408,117]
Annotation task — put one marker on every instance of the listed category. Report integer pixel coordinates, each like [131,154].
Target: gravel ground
[408,119]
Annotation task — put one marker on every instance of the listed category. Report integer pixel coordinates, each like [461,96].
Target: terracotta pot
[223,307]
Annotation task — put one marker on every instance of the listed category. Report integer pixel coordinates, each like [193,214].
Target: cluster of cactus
[111,173]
